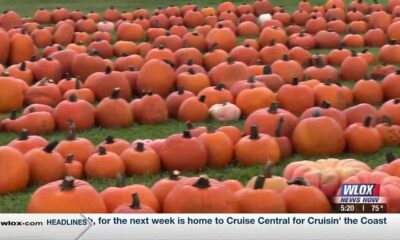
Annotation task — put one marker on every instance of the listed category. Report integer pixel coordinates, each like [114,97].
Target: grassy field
[17,202]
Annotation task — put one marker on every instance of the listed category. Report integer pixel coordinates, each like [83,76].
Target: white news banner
[199,226]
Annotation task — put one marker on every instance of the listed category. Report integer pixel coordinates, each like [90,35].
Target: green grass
[17,202]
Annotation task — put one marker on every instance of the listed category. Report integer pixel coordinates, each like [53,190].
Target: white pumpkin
[264,17]
[105,26]
[225,112]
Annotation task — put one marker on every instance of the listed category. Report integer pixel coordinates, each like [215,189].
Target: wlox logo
[359,190]
[359,193]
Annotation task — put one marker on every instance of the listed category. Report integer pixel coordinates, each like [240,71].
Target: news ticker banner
[199,226]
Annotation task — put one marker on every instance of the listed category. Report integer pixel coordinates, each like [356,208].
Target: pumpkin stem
[367,121]
[202,98]
[268,170]
[316,113]
[32,109]
[189,125]
[298,181]
[115,93]
[286,57]
[110,139]
[50,147]
[353,53]
[318,62]
[174,175]
[219,87]
[161,47]
[190,62]
[22,66]
[23,135]
[73,98]
[259,184]
[71,134]
[69,158]
[140,147]
[230,60]
[325,104]
[187,134]
[120,180]
[273,109]
[67,184]
[169,62]
[13,115]
[267,70]
[108,70]
[387,120]
[390,157]
[251,79]
[102,150]
[203,182]
[278,130]
[191,71]
[295,81]
[272,42]
[254,132]
[77,84]
[180,90]
[135,201]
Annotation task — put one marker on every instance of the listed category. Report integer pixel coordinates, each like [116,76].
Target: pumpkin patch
[220,91]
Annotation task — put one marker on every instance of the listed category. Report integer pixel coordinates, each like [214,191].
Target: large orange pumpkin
[66,196]
[14,171]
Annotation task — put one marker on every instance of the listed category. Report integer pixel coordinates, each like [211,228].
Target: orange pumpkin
[368,91]
[134,207]
[254,98]
[46,165]
[390,85]
[193,109]
[287,69]
[24,143]
[313,200]
[66,196]
[353,68]
[219,148]
[79,111]
[177,148]
[141,160]
[21,48]
[200,195]
[150,109]
[370,142]
[11,93]
[391,109]
[192,81]
[257,149]
[114,145]
[390,133]
[175,100]
[222,37]
[83,65]
[14,171]
[318,135]
[81,148]
[228,73]
[104,164]
[73,168]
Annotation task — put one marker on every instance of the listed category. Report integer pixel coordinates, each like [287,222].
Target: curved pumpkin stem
[273,109]
[203,182]
[23,135]
[140,147]
[187,134]
[135,201]
[298,181]
[268,169]
[278,130]
[259,183]
[71,134]
[254,135]
[69,158]
[174,175]
[67,184]
[367,121]
[50,147]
